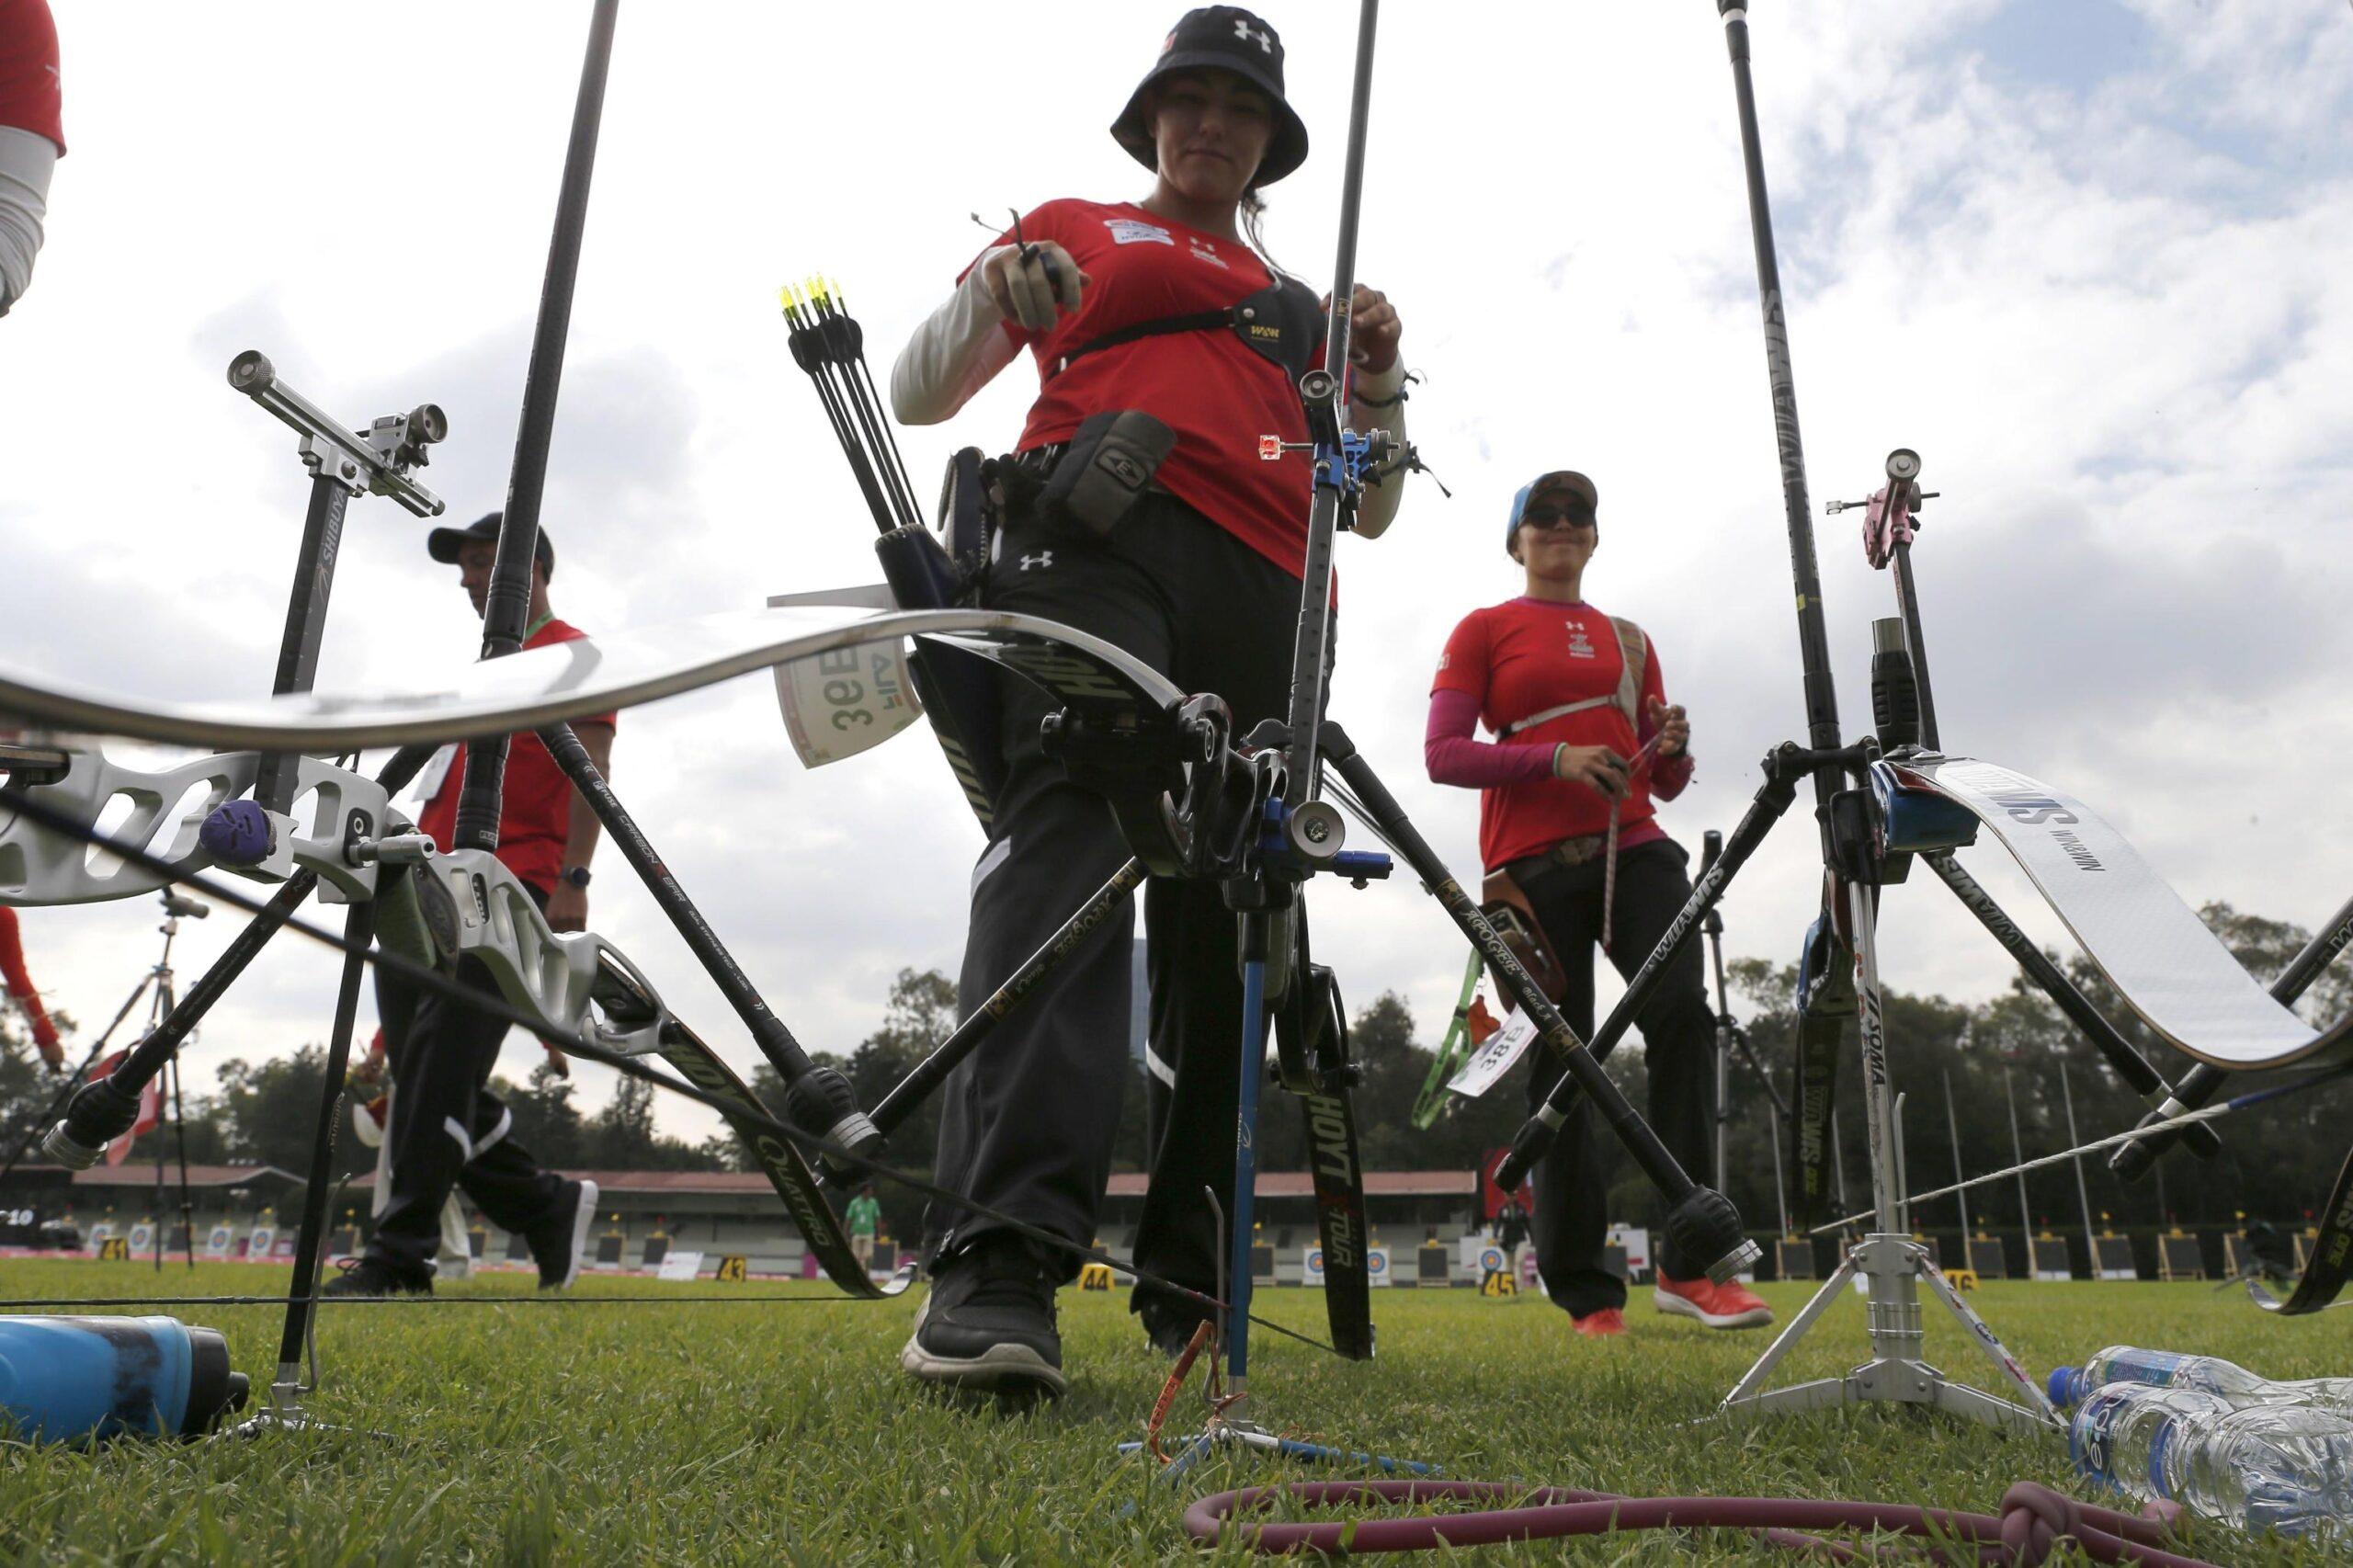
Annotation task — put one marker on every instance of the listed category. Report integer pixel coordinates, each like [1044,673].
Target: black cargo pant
[1028,1121]
[448,1129]
[1678,1047]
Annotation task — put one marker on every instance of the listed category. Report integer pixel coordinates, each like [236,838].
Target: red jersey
[536,816]
[1218,395]
[1519,659]
[30,99]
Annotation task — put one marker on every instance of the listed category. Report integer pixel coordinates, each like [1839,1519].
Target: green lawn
[779,1430]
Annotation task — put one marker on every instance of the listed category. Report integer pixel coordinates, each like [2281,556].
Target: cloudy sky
[2086,255]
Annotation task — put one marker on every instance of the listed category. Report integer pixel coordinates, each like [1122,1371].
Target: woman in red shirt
[1585,737]
[1167,307]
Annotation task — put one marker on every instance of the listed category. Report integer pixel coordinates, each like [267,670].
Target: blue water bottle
[80,1379]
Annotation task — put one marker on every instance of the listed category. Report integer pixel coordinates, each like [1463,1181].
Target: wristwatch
[576,875]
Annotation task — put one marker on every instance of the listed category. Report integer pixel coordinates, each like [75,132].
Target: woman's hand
[1373,329]
[1030,284]
[1673,727]
[1596,765]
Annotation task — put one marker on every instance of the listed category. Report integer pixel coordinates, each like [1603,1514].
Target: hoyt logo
[1332,1155]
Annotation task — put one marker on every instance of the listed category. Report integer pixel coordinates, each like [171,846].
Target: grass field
[779,1430]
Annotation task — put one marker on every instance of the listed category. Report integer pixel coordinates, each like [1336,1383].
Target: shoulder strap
[1199,320]
[1634,652]
[1562,712]
[1280,322]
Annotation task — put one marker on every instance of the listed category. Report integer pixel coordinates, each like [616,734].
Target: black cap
[442,543]
[1222,37]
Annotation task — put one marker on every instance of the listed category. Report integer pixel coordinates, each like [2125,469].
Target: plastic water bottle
[2209,1374]
[74,1380]
[2274,1467]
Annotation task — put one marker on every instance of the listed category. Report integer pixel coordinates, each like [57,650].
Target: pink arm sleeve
[1454,755]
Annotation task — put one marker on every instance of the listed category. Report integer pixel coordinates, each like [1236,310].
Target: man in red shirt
[446,1128]
[1584,737]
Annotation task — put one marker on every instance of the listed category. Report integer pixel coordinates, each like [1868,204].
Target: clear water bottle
[2264,1467]
[2209,1374]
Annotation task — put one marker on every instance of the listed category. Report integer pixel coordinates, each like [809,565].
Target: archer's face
[474,559]
[1556,537]
[1210,129]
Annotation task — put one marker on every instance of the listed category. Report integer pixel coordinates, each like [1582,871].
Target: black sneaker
[1169,1328]
[560,1241]
[374,1276]
[987,1325]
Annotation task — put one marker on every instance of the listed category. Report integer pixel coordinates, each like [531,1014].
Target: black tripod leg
[928,1075]
[358,930]
[1701,1222]
[1537,1133]
[819,1098]
[179,1138]
[2130,1064]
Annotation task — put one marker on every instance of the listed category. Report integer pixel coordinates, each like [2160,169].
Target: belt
[1580,851]
[1039,462]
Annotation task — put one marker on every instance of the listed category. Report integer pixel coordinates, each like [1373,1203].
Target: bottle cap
[2062,1386]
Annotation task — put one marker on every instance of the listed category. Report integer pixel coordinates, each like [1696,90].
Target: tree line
[2012,1049]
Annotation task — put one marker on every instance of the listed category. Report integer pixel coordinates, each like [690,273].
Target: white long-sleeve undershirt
[962,345]
[958,350]
[27,160]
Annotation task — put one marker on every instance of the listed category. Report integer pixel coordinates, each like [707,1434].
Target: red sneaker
[1606,1324]
[1731,1305]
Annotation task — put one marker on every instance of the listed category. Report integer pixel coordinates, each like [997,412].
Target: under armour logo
[1242,29]
[1044,561]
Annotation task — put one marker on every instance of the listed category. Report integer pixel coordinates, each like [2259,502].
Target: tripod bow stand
[1839,978]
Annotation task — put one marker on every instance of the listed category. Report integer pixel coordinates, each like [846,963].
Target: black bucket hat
[1222,37]
[443,544]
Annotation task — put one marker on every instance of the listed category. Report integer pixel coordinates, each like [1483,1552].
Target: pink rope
[2034,1520]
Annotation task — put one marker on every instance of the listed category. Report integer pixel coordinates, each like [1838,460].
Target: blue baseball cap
[1569,480]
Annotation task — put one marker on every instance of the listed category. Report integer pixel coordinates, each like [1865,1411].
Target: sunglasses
[1548,517]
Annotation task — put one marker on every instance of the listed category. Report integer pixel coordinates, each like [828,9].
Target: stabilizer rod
[1784,767]
[1327,413]
[507,607]
[1701,1221]
[929,1073]
[819,1098]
